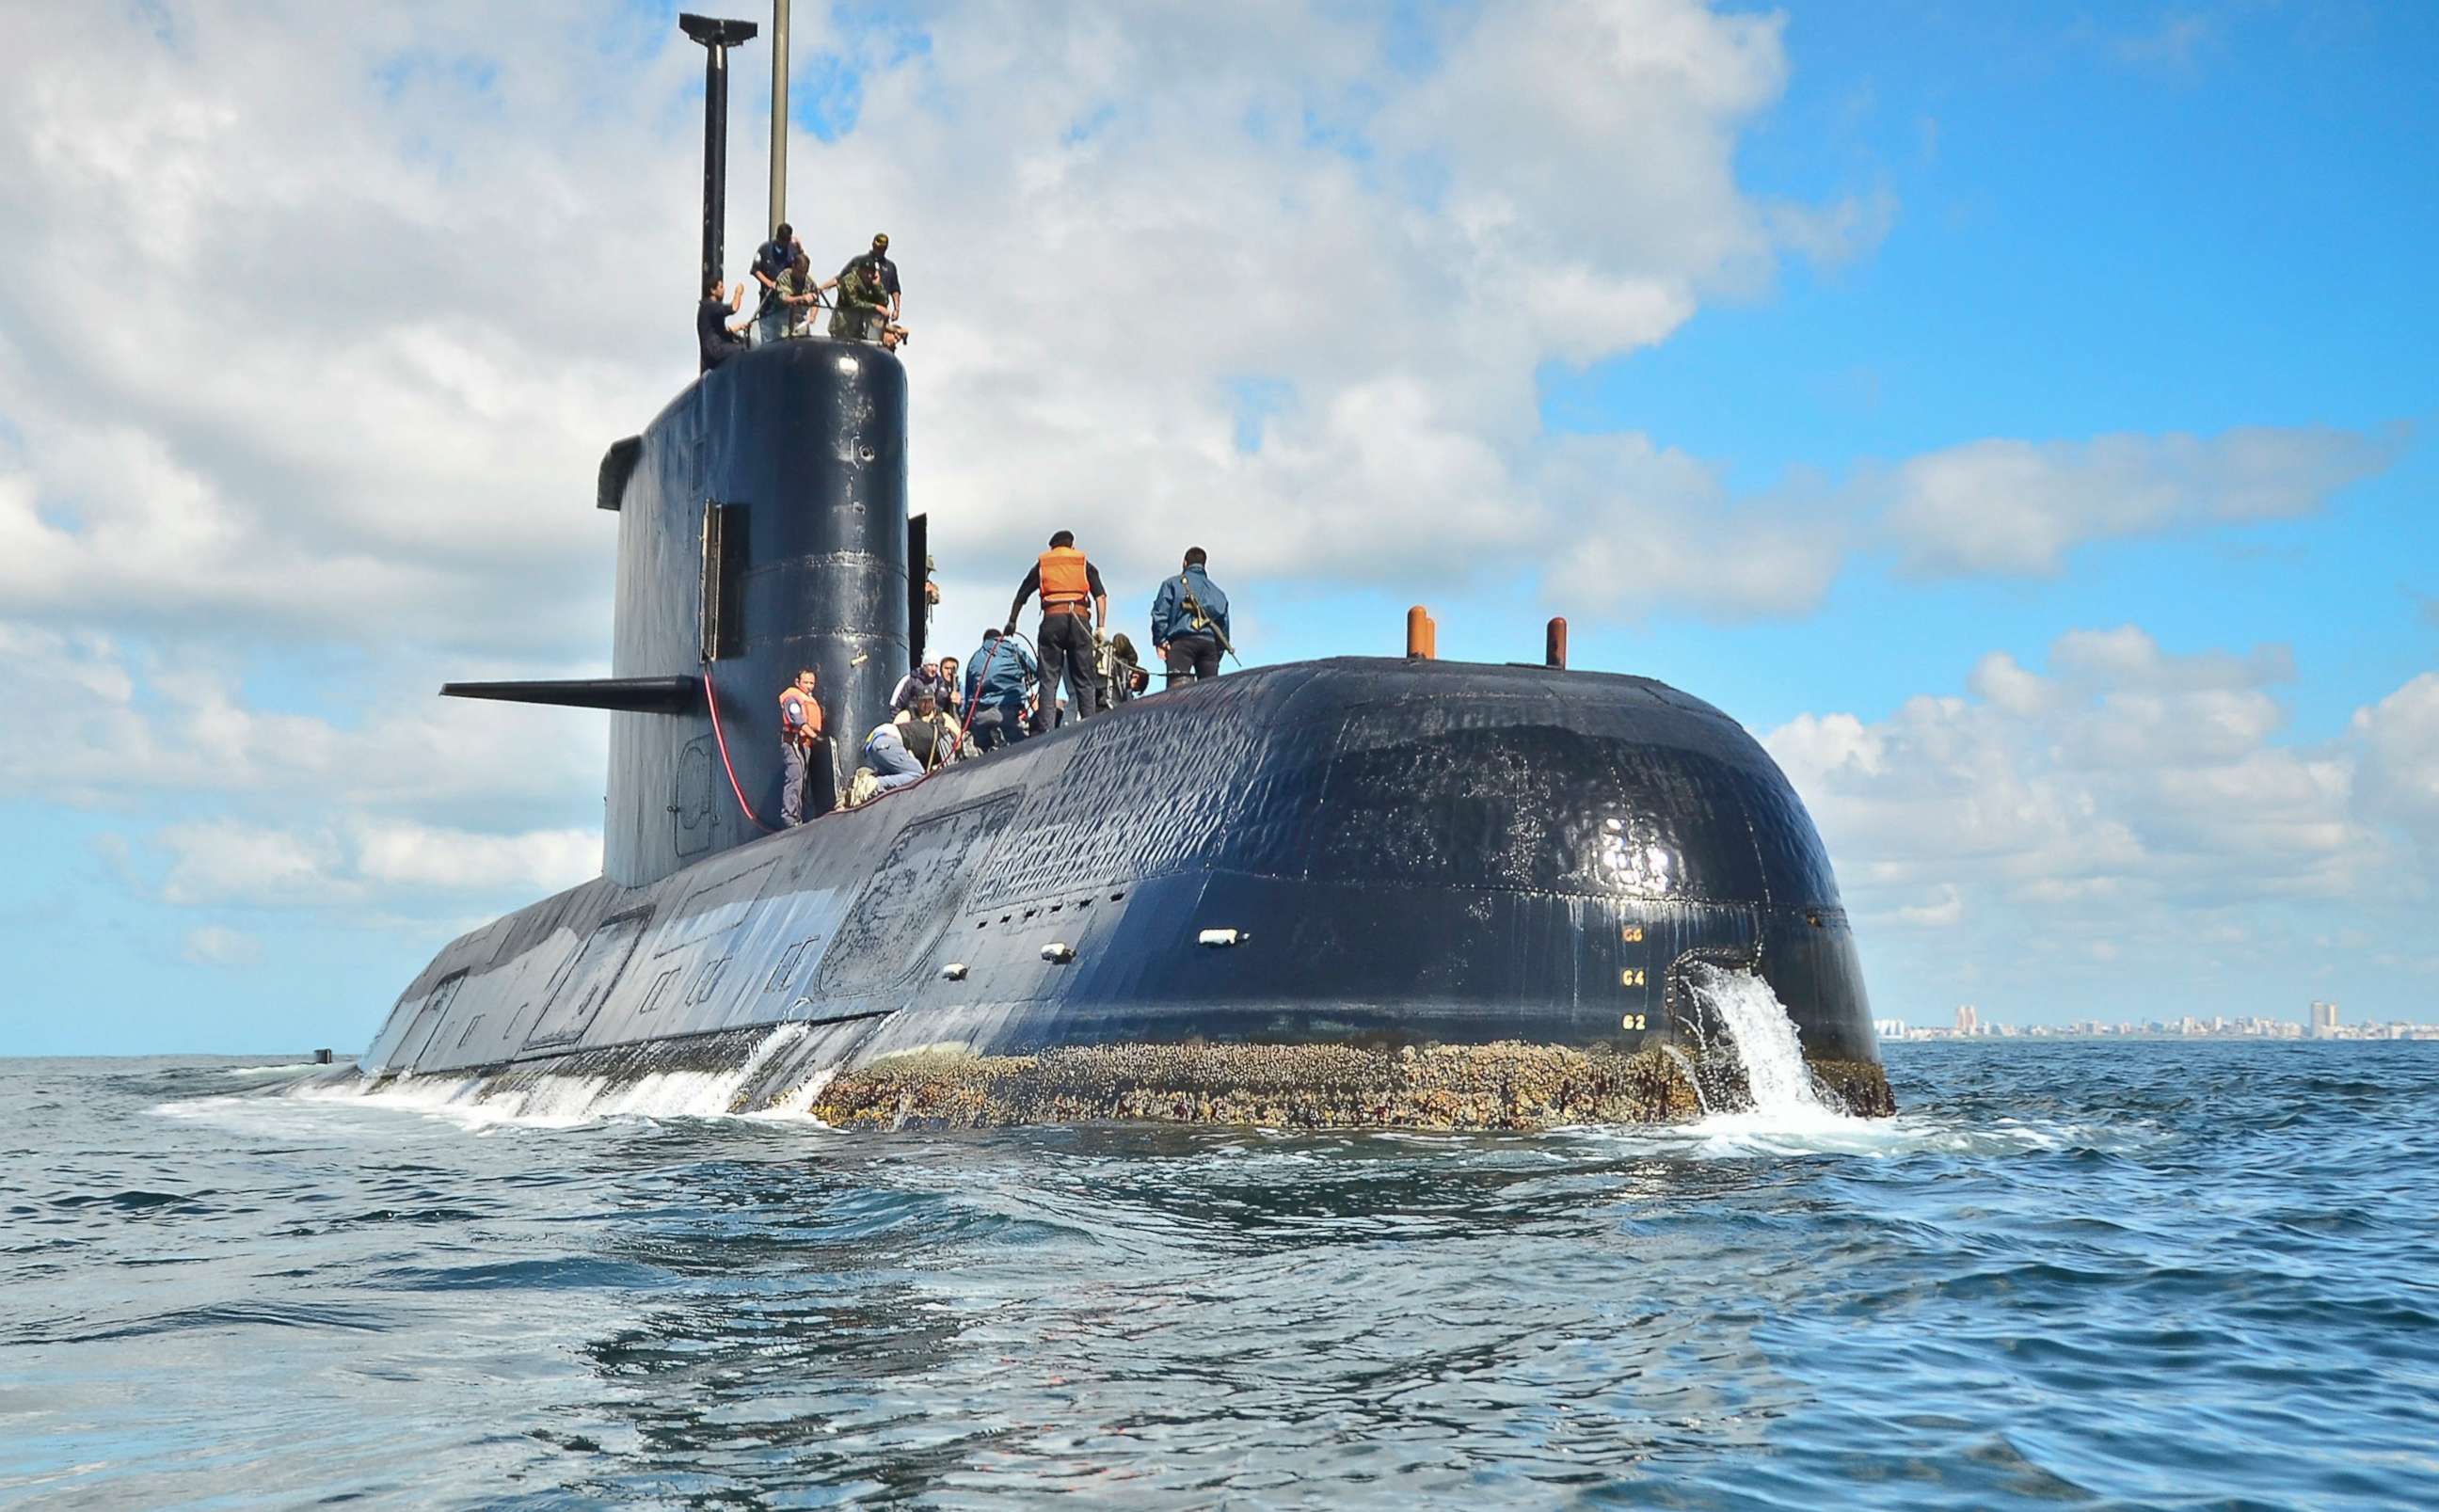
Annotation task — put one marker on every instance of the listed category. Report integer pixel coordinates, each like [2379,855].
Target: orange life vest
[806,726]
[1065,588]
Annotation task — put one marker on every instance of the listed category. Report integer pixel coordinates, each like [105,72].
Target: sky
[2019,416]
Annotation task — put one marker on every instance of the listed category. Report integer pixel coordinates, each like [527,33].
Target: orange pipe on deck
[1555,647]
[1419,636]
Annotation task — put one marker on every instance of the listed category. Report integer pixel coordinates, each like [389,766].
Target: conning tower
[762,528]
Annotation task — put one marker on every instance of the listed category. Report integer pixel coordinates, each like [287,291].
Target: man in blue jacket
[997,676]
[1190,622]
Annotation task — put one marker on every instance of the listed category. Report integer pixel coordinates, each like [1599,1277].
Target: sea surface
[2069,1274]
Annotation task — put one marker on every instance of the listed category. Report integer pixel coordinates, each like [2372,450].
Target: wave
[1781,1132]
[492,1100]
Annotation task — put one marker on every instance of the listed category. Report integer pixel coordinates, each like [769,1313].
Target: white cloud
[2400,737]
[221,862]
[1645,529]
[2129,769]
[363,865]
[212,945]
[409,854]
[2016,508]
[402,276]
[1945,907]
[417,795]
[98,724]
[2127,796]
[381,291]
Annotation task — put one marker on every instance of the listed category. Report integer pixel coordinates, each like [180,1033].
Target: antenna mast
[779,114]
[717,37]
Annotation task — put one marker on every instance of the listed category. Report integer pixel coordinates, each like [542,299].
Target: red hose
[711,701]
[965,724]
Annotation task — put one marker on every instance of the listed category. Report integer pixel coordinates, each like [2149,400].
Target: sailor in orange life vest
[1071,590]
[800,730]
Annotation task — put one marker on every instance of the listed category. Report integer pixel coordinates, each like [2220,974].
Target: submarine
[1361,891]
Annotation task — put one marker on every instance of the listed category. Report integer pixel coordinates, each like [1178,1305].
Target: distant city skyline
[2321,1020]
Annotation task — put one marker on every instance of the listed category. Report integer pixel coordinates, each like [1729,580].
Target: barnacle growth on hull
[1508,1086]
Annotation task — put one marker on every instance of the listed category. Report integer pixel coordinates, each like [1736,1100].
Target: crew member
[901,698]
[886,272]
[862,304]
[997,678]
[717,340]
[928,731]
[1190,622]
[771,261]
[1074,607]
[800,732]
[887,761]
[1119,672]
[796,297]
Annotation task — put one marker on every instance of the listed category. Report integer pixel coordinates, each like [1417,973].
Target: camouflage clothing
[859,289]
[799,317]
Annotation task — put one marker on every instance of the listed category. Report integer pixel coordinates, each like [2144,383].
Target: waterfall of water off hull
[1762,1037]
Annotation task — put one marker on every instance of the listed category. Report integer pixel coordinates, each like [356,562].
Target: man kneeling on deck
[887,766]
[928,731]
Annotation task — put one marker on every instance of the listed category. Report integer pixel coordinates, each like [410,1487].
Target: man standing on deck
[1190,622]
[885,272]
[800,732]
[1074,606]
[771,261]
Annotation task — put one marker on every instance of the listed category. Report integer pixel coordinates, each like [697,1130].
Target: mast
[717,37]
[778,115]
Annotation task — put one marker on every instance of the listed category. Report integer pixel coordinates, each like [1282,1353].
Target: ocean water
[2123,1275]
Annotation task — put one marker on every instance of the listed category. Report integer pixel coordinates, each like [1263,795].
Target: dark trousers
[1065,644]
[795,775]
[1192,658]
[996,724]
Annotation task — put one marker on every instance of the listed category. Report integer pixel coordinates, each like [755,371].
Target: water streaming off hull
[1763,1036]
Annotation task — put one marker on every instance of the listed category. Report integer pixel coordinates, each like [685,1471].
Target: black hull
[1410,853]
[1509,868]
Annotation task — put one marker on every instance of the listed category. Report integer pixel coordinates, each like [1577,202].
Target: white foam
[544,1102]
[1750,1135]
[798,1102]
[1781,1087]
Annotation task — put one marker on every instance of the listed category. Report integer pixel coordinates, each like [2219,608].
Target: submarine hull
[1353,890]
[1349,891]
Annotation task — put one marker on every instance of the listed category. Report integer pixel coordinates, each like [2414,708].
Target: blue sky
[2018,416]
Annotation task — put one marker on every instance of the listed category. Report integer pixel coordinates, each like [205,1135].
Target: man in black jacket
[718,339]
